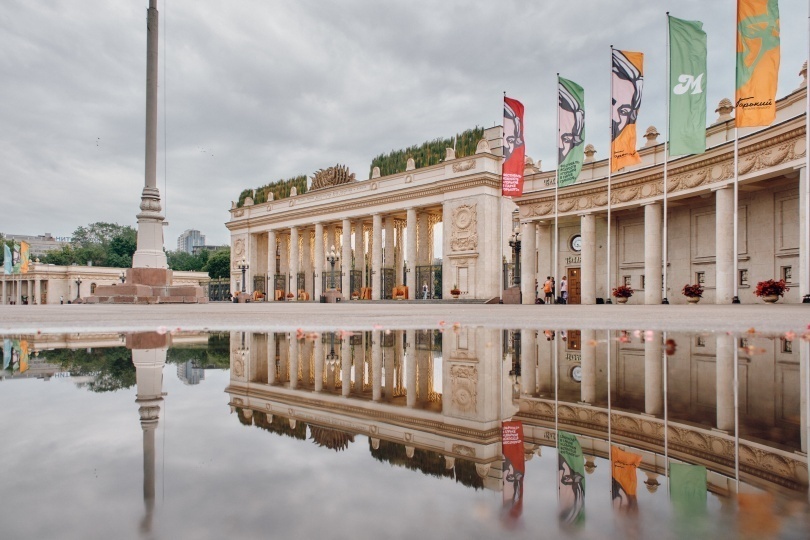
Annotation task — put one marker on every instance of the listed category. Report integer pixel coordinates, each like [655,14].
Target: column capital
[721,188]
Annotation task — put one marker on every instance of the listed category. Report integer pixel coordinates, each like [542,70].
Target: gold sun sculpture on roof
[333,176]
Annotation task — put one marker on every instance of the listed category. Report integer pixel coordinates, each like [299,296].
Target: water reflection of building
[189,373]
[385,386]
[421,400]
[699,396]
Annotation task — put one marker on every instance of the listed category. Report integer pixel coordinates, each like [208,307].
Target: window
[700,278]
[787,273]
[643,281]
[92,288]
[744,278]
[787,346]
[627,280]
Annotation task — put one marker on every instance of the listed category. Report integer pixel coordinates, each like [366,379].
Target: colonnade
[386,366]
[13,288]
[538,244]
[367,246]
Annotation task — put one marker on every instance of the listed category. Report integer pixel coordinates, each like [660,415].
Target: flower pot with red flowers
[455,291]
[771,290]
[622,293]
[693,293]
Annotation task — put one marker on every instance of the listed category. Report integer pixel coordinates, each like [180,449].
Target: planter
[621,300]
[770,299]
[455,295]
[693,299]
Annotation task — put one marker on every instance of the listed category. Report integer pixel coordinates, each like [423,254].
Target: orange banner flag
[757,62]
[626,86]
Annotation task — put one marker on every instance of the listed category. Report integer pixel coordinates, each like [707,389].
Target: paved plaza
[283,316]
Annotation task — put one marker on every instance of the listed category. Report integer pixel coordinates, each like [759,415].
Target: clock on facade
[576,373]
[576,243]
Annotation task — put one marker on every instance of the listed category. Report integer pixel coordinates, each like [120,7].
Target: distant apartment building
[189,373]
[190,239]
[41,244]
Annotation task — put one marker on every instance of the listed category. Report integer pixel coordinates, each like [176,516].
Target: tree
[101,244]
[219,264]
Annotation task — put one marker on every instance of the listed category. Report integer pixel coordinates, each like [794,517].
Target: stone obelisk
[149,253]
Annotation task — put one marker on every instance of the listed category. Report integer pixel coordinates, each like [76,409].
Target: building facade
[190,239]
[603,231]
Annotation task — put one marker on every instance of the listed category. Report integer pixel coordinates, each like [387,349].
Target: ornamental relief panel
[465,226]
[767,154]
[238,251]
[464,382]
[464,165]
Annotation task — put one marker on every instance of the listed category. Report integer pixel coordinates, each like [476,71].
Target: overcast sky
[252,91]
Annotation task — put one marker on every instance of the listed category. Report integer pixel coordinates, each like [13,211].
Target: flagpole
[736,417]
[666,414]
[610,169]
[806,246]
[500,212]
[610,442]
[736,298]
[557,410]
[666,163]
[555,273]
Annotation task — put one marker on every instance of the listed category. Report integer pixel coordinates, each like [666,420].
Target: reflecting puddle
[460,431]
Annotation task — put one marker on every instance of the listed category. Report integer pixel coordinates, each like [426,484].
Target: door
[574,286]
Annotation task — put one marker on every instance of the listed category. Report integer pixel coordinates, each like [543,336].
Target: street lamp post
[514,243]
[243,266]
[332,257]
[78,286]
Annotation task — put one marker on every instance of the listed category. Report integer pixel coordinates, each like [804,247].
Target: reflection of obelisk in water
[149,357]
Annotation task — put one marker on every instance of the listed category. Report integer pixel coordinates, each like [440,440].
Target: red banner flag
[514,468]
[514,148]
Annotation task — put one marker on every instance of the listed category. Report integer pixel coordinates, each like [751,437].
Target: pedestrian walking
[548,290]
[61,299]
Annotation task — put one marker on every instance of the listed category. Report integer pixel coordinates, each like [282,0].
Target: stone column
[410,254]
[528,360]
[653,376]
[588,260]
[652,253]
[388,259]
[804,256]
[272,248]
[346,260]
[724,245]
[587,387]
[545,259]
[38,291]
[725,382]
[284,357]
[423,257]
[376,365]
[3,300]
[319,261]
[293,362]
[410,369]
[307,263]
[804,380]
[388,360]
[376,257]
[359,364]
[319,362]
[360,251]
[346,367]
[271,358]
[294,262]
[528,261]
[545,365]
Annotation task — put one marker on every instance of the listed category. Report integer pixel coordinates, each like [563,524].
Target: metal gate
[508,274]
[219,290]
[356,281]
[260,284]
[301,282]
[430,275]
[280,284]
[388,282]
[330,280]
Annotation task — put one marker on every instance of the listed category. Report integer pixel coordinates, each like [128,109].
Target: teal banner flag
[571,136]
[687,80]
[7,264]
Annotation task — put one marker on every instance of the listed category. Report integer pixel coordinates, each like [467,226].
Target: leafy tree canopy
[219,264]
[102,244]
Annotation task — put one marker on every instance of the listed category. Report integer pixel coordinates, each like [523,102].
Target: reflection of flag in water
[23,356]
[687,490]
[514,148]
[571,478]
[757,62]
[6,353]
[756,518]
[624,482]
[514,468]
[626,86]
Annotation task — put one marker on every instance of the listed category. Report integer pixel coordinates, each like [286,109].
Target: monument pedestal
[511,295]
[148,286]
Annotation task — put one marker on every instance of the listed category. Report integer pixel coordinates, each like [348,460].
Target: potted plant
[455,291]
[355,295]
[622,293]
[693,293]
[771,290]
[290,296]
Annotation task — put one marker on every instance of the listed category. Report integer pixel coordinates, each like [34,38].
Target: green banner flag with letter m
[687,96]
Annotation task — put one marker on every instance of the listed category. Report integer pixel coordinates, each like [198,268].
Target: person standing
[564,290]
[548,290]
[61,299]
